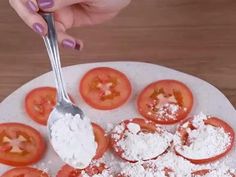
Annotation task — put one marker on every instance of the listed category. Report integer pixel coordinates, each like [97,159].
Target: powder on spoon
[73,139]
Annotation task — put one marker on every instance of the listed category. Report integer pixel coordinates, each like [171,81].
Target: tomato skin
[25,172]
[145,125]
[35,138]
[205,172]
[92,96]
[39,103]
[200,172]
[214,121]
[167,87]
[68,171]
[101,139]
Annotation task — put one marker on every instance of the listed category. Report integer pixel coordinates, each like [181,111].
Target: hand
[68,14]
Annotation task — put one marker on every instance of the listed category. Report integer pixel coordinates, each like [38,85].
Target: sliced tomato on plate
[101,139]
[25,172]
[206,172]
[20,144]
[200,172]
[119,134]
[39,103]
[68,171]
[187,126]
[165,101]
[105,88]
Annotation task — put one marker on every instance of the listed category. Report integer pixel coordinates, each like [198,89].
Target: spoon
[64,105]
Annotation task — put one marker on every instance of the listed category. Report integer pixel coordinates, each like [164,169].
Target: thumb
[53,5]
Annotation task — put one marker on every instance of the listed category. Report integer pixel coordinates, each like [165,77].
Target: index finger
[53,5]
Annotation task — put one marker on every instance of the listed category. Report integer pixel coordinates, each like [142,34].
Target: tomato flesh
[101,139]
[146,127]
[40,102]
[204,172]
[68,171]
[20,144]
[105,88]
[165,101]
[214,121]
[25,172]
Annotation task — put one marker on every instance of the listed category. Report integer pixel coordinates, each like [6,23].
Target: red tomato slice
[200,172]
[146,127]
[25,172]
[20,144]
[216,122]
[40,102]
[105,88]
[165,101]
[68,171]
[101,139]
[204,172]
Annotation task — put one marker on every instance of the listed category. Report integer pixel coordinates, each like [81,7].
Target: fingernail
[38,28]
[45,4]
[68,43]
[78,46]
[31,6]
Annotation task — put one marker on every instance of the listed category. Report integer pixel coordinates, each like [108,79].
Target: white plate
[207,99]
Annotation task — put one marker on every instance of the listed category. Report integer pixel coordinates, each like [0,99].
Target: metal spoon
[64,105]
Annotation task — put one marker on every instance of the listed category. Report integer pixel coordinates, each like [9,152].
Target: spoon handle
[50,41]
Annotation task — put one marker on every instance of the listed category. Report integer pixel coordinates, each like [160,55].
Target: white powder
[142,146]
[168,164]
[133,128]
[105,173]
[198,120]
[73,140]
[214,138]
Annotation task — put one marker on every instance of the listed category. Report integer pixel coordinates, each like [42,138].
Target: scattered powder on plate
[167,164]
[138,145]
[206,141]
[171,165]
[73,140]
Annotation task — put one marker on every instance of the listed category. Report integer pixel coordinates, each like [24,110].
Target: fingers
[66,40]
[53,5]
[27,10]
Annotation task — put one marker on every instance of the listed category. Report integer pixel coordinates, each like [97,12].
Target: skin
[68,14]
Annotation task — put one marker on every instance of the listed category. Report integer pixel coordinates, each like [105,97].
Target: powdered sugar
[73,140]
[204,142]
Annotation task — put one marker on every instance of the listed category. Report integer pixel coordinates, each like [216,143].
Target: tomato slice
[145,128]
[25,172]
[105,88]
[187,127]
[205,172]
[95,169]
[101,139]
[165,101]
[20,144]
[40,102]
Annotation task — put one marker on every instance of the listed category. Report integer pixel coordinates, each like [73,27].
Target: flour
[73,140]
[138,145]
[168,164]
[214,138]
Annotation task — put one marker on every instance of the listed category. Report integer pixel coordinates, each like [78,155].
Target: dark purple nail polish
[31,6]
[38,28]
[78,46]
[45,4]
[68,43]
